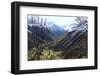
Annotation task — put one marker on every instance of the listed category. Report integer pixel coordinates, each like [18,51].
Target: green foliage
[45,54]
[48,54]
[32,54]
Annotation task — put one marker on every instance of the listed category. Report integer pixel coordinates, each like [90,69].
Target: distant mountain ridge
[55,29]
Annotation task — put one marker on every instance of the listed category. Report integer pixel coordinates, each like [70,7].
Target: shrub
[46,54]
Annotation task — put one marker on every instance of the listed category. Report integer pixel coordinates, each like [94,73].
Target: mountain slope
[74,44]
[38,35]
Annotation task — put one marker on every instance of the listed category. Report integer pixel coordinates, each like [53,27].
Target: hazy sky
[59,20]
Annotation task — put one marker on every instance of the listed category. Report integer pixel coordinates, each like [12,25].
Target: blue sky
[59,20]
